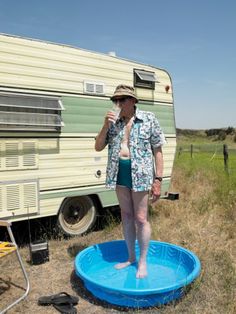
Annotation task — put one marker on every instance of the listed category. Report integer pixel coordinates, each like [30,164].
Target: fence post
[191,150]
[226,157]
[180,151]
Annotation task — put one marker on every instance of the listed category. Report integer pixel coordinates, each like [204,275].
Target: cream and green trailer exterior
[53,99]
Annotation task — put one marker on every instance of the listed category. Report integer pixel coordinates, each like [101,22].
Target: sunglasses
[121,100]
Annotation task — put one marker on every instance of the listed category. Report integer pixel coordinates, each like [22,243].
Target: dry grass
[199,221]
[201,225]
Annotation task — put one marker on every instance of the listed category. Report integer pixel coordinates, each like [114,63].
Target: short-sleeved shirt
[145,135]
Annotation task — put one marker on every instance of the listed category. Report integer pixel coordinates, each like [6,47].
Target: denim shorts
[124,173]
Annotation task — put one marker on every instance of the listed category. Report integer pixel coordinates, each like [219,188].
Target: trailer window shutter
[30,113]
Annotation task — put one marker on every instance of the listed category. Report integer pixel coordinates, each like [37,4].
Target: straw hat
[124,90]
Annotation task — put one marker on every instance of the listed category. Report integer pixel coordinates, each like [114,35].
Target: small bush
[230,130]
[222,135]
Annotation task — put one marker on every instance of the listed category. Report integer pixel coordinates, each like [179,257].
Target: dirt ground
[51,277]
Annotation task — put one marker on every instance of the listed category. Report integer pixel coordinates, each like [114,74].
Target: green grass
[197,137]
[204,164]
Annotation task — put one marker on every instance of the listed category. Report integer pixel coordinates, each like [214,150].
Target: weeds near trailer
[109,219]
[37,229]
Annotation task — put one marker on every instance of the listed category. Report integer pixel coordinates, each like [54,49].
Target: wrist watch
[158,178]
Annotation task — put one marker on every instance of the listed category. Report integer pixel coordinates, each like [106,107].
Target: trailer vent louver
[19,198]
[20,154]
[94,88]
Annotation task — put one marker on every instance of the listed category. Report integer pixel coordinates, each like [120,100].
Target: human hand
[155,191]
[116,109]
[109,118]
[112,116]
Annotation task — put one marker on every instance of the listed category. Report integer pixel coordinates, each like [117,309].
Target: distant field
[199,137]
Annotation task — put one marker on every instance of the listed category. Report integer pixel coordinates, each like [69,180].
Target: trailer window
[145,79]
[30,113]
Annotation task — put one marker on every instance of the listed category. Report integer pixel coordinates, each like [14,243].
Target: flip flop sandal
[65,308]
[60,298]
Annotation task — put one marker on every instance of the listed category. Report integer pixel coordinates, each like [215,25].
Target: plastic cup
[116,109]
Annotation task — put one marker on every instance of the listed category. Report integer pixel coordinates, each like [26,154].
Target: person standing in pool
[134,168]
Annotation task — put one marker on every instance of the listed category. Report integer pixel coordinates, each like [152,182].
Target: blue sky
[194,40]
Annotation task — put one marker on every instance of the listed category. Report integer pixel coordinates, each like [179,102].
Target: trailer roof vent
[94,88]
[145,79]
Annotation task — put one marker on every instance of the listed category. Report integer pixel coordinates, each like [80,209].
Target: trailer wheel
[77,215]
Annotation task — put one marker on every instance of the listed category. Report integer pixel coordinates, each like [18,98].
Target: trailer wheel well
[97,202]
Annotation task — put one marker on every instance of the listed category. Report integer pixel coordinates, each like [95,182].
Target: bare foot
[142,271]
[123,265]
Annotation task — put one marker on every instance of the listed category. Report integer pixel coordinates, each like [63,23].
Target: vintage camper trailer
[52,102]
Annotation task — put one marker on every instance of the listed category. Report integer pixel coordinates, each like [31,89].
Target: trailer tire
[77,215]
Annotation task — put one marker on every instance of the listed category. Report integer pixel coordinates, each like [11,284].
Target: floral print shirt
[145,135]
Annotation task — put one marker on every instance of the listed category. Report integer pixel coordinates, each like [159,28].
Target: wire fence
[212,152]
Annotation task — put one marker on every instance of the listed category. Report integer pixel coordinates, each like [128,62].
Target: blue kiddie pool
[170,269]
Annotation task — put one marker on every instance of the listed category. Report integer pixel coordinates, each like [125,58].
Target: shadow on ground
[47,228]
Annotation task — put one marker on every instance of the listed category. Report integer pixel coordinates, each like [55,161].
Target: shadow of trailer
[53,99]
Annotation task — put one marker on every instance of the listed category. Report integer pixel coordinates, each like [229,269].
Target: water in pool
[162,274]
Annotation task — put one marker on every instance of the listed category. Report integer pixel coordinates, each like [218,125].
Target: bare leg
[140,203]
[128,222]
